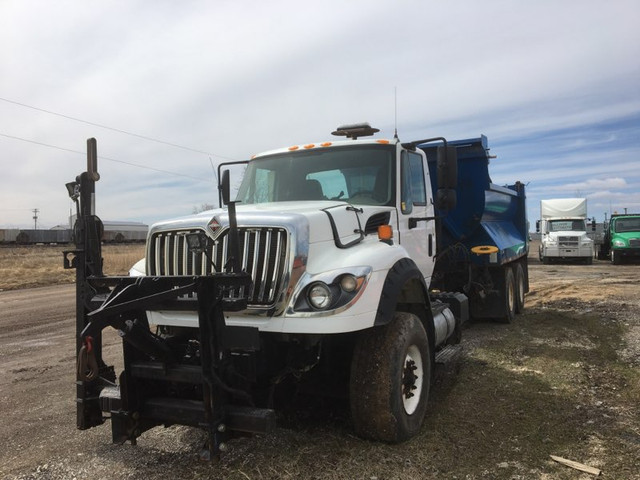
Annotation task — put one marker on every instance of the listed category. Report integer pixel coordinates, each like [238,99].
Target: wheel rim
[511,294]
[412,377]
[521,288]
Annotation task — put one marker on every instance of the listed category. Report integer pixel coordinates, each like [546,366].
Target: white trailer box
[563,230]
[563,208]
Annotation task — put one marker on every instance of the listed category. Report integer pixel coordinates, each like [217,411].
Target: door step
[449,354]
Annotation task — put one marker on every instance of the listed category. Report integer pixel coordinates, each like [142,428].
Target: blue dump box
[488,217]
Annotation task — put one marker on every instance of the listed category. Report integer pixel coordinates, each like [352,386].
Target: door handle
[413,221]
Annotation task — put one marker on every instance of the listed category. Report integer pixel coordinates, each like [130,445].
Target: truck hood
[311,221]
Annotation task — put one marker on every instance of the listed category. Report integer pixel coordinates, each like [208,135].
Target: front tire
[616,258]
[543,259]
[390,380]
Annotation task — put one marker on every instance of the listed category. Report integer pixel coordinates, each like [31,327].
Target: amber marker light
[326,144]
[385,232]
[295,147]
[382,141]
[310,145]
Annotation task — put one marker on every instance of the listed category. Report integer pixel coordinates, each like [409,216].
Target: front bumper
[628,252]
[568,252]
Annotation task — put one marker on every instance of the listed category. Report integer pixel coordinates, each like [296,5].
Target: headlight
[319,296]
[329,291]
[349,283]
[618,243]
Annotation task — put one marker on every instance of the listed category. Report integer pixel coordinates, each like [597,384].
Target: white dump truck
[563,230]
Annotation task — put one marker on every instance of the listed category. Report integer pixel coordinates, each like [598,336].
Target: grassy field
[39,265]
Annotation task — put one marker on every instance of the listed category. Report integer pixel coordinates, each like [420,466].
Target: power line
[144,137]
[102,157]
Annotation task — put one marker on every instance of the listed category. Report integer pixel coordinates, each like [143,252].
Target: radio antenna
[215,177]
[395,112]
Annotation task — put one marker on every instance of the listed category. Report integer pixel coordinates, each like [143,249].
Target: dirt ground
[563,380]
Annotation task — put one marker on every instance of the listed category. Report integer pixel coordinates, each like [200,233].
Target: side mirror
[447,161]
[537,226]
[234,240]
[593,225]
[446,199]
[225,187]
[447,173]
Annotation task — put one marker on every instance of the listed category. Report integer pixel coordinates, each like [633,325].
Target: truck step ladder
[449,354]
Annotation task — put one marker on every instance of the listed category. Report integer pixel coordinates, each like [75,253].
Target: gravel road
[37,378]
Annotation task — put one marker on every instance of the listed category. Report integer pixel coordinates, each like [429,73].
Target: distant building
[120,230]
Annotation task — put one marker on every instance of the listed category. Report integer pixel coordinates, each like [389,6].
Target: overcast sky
[555,86]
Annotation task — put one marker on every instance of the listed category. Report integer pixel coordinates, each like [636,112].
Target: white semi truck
[563,229]
[344,265]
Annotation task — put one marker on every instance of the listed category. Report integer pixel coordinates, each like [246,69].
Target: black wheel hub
[409,378]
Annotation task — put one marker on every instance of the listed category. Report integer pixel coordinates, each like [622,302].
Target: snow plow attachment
[197,377]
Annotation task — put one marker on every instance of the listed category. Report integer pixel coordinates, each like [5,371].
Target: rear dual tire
[509,296]
[520,287]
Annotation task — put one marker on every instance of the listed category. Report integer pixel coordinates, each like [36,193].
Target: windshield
[358,174]
[627,225]
[566,226]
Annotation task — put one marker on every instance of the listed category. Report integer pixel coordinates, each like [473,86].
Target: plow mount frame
[121,302]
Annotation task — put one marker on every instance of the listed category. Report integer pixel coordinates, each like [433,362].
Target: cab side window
[413,188]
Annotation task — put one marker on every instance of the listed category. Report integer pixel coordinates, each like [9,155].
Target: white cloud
[547,82]
[597,184]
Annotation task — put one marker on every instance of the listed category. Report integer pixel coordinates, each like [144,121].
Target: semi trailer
[347,266]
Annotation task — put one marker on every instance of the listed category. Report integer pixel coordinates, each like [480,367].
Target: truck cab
[622,237]
[563,229]
[309,218]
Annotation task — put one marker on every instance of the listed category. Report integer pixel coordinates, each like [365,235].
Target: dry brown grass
[39,265]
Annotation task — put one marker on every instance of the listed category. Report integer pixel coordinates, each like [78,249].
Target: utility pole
[35,218]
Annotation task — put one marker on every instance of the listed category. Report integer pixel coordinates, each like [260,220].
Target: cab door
[416,223]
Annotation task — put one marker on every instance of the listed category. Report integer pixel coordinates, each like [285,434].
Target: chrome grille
[263,255]
[634,242]
[569,241]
